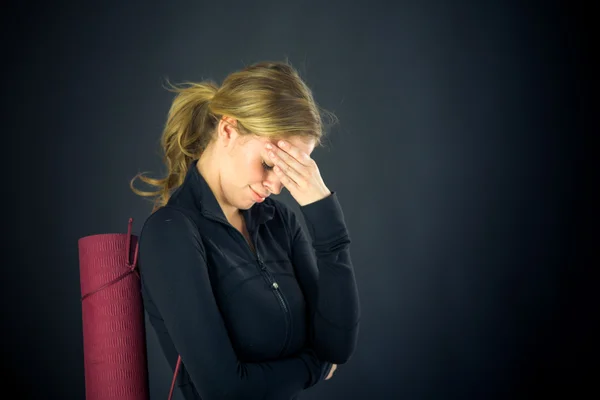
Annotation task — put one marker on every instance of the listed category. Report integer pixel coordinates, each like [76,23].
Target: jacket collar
[206,202]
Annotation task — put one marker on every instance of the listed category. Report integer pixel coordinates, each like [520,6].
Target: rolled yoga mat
[114,340]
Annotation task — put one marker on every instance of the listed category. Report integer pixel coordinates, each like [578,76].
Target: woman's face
[247,170]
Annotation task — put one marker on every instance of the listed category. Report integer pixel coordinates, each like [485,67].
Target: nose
[273,184]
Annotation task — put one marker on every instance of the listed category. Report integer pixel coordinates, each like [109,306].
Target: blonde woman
[256,307]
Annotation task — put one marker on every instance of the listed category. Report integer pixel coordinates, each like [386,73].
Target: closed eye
[267,167]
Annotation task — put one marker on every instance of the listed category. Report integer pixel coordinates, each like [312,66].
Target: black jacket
[248,326]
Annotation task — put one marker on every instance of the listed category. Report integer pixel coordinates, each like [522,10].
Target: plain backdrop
[459,159]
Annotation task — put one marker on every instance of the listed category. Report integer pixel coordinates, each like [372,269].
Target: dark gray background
[458,160]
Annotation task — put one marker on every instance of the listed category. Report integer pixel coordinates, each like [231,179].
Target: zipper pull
[275,285]
[261,264]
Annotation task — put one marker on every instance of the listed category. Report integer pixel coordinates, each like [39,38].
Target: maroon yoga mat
[114,339]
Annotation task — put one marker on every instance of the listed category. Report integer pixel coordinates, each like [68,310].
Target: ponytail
[186,134]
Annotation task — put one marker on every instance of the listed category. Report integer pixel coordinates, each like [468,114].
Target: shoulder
[168,222]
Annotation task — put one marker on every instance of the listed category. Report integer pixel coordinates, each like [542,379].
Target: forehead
[305,144]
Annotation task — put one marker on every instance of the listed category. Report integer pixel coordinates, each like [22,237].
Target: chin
[246,206]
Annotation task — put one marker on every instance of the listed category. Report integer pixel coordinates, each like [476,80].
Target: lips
[260,195]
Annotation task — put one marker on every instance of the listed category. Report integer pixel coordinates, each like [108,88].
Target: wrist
[326,193]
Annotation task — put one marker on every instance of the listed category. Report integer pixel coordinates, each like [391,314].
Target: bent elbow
[339,355]
[340,349]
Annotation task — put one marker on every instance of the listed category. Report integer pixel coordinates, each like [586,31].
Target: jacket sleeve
[326,275]
[173,268]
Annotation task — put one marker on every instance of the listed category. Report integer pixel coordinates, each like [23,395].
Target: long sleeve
[174,271]
[328,281]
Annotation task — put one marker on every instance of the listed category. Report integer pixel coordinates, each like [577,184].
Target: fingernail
[268,146]
[282,143]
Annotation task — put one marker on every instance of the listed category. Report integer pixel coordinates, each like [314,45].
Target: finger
[287,170]
[296,155]
[288,162]
[290,184]
[333,367]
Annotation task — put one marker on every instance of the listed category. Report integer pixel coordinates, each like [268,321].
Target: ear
[226,130]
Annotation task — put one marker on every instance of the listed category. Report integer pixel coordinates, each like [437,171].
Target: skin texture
[232,165]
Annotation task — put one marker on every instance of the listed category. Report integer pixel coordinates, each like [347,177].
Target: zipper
[276,292]
[269,280]
[282,302]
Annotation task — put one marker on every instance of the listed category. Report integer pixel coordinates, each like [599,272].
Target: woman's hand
[333,367]
[298,173]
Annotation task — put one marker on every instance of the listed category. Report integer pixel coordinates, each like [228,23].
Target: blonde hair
[266,99]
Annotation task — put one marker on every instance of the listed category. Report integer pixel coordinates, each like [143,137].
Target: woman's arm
[174,271]
[326,275]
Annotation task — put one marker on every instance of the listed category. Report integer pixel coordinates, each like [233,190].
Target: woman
[256,308]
